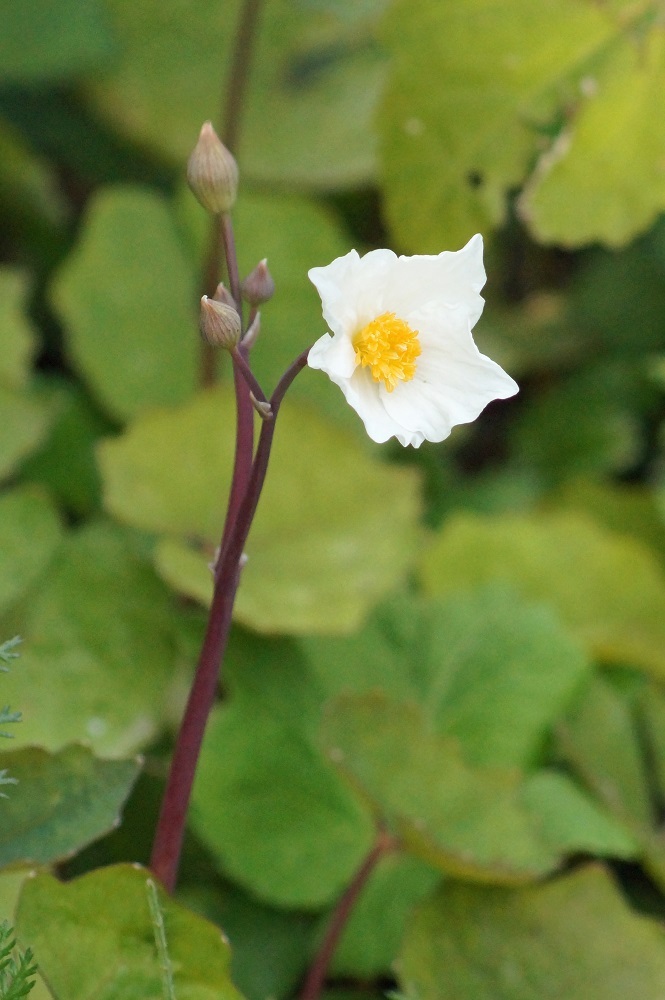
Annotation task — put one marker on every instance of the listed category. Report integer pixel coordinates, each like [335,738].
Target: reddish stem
[318,970]
[170,830]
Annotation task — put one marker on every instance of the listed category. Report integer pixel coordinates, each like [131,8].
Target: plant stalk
[319,968]
[170,829]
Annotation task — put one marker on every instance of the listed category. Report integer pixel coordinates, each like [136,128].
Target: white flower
[402,350]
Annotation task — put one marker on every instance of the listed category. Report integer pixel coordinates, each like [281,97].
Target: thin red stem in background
[238,78]
[319,969]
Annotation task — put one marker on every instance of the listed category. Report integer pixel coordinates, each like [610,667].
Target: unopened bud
[258,286]
[252,334]
[222,294]
[212,172]
[219,323]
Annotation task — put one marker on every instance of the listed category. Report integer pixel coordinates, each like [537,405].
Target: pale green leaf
[468,822]
[24,422]
[603,179]
[94,936]
[126,295]
[100,654]
[573,937]
[30,533]
[563,95]
[608,588]
[325,545]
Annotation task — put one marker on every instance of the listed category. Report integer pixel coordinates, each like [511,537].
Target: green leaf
[275,816]
[94,936]
[490,670]
[126,296]
[325,545]
[42,40]
[100,657]
[574,937]
[62,802]
[600,739]
[65,462]
[561,94]
[651,724]
[629,509]
[17,339]
[372,937]
[468,822]
[603,180]
[24,422]
[608,588]
[581,426]
[11,883]
[269,947]
[30,533]
[292,131]
[572,821]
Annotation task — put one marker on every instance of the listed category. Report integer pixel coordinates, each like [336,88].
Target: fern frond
[17,969]
[7,651]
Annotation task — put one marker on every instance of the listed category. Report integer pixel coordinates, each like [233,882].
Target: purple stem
[319,967]
[170,829]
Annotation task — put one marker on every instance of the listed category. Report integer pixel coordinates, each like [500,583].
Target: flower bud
[212,172]
[219,323]
[222,294]
[258,286]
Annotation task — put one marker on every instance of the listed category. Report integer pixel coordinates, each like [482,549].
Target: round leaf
[326,543]
[126,296]
[96,936]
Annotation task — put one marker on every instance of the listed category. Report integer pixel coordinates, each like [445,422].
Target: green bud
[258,286]
[212,172]
[219,323]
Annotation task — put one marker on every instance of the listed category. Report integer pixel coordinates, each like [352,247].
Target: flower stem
[243,369]
[319,968]
[236,90]
[170,829]
[228,242]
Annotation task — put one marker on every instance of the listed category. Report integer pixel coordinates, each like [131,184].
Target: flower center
[389,348]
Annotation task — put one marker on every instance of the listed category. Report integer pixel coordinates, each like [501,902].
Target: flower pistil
[388,346]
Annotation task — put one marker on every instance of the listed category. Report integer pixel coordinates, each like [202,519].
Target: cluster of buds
[212,173]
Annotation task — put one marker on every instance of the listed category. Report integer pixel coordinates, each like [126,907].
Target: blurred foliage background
[466,642]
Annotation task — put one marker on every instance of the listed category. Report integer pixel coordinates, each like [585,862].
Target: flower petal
[439,296]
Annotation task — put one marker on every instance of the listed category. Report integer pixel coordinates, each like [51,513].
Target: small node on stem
[262,407]
[219,324]
[222,294]
[258,286]
[252,334]
[212,172]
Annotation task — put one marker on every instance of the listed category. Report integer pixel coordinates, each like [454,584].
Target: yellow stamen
[389,348]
